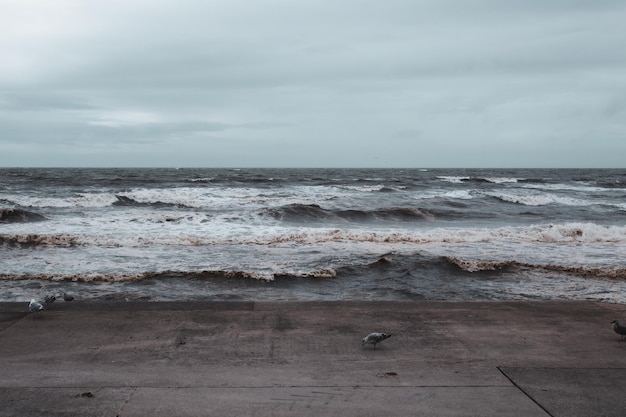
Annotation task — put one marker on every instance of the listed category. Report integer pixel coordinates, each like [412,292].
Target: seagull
[35,307]
[374,338]
[68,297]
[50,298]
[619,329]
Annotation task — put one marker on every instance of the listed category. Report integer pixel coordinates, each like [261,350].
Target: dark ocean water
[313,234]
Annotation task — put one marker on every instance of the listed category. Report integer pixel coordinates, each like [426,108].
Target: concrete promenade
[544,358]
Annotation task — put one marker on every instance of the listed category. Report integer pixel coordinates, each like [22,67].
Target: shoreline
[488,358]
[95,305]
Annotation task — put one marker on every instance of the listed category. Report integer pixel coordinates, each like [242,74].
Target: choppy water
[321,234]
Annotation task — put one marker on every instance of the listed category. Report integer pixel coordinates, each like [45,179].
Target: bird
[373,338]
[35,307]
[67,297]
[619,329]
[50,298]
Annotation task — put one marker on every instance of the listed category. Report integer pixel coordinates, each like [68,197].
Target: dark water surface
[320,234]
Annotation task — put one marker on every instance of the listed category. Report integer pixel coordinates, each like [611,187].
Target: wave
[204,180]
[498,180]
[84,200]
[539,199]
[579,186]
[492,180]
[33,240]
[568,233]
[365,188]
[232,198]
[19,216]
[130,202]
[612,185]
[364,197]
[327,273]
[588,272]
[452,179]
[300,213]
[527,200]
[526,181]
[182,197]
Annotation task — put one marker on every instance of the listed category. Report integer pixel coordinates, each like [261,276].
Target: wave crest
[19,216]
[327,273]
[476,266]
[302,213]
[124,201]
[590,272]
[32,240]
[549,233]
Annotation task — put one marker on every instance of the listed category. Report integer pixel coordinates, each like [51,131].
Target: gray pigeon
[619,329]
[68,297]
[35,307]
[50,298]
[373,338]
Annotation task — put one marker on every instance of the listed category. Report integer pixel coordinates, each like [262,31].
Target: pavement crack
[120,413]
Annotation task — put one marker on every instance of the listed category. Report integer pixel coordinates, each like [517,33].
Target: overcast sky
[313,83]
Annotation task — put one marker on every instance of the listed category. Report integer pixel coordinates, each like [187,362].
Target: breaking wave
[493,180]
[33,240]
[539,199]
[547,233]
[19,216]
[304,213]
[480,266]
[327,273]
[130,202]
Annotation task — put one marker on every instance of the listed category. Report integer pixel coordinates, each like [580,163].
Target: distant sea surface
[313,234]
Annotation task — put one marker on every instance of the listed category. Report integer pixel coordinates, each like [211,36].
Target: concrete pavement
[544,358]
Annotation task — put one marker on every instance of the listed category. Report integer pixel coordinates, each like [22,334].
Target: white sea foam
[453,179]
[193,197]
[363,188]
[85,200]
[538,199]
[193,230]
[580,186]
[502,180]
[448,194]
[182,196]
[527,200]
[494,180]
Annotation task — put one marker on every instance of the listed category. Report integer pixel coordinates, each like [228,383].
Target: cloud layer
[312,83]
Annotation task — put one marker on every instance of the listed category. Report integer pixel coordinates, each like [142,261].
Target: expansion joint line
[524,392]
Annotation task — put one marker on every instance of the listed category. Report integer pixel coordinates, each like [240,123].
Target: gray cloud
[313,83]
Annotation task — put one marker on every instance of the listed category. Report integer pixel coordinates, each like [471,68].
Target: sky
[313,83]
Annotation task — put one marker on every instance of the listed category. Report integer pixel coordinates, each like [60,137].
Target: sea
[313,234]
